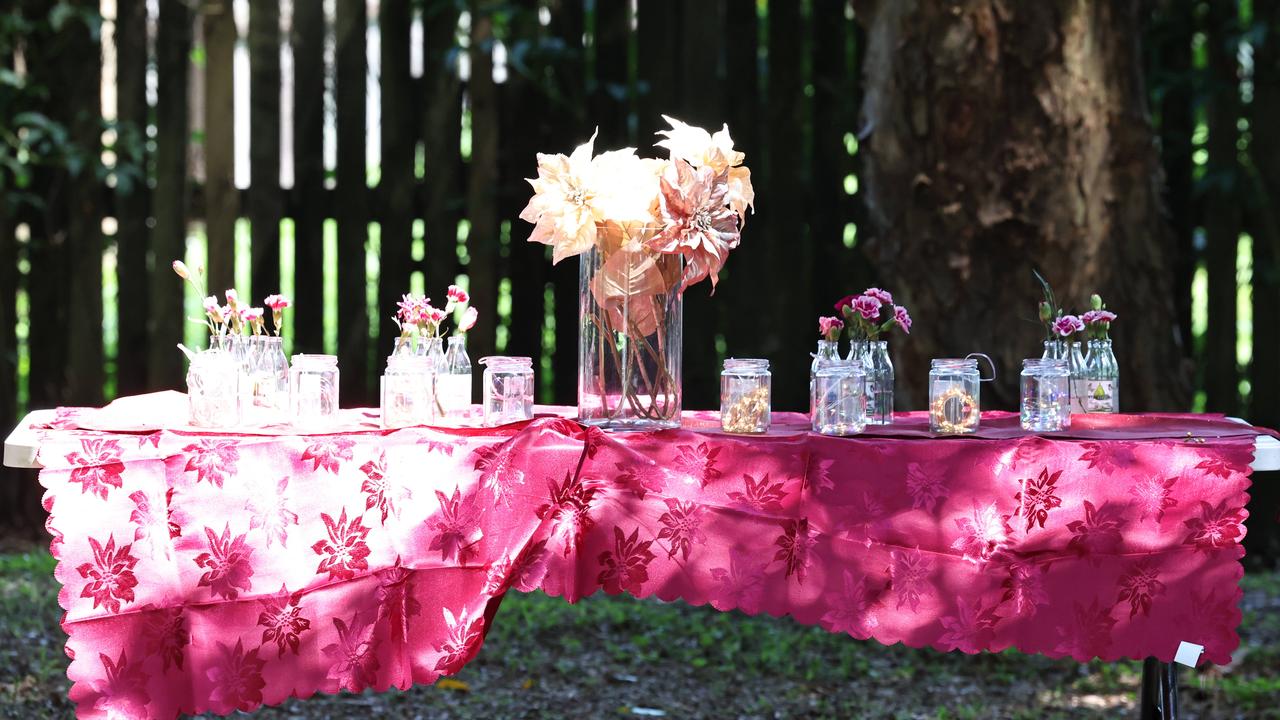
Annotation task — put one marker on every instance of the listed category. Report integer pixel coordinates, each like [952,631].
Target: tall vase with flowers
[867,317]
[644,230]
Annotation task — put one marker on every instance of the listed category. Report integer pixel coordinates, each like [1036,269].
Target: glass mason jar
[1045,403]
[955,398]
[313,389]
[745,387]
[879,368]
[1100,392]
[213,390]
[508,389]
[406,392]
[839,398]
[630,309]
[453,382]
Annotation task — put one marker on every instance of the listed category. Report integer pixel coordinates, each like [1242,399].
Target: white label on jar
[1098,396]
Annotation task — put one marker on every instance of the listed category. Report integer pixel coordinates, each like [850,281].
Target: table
[224,572]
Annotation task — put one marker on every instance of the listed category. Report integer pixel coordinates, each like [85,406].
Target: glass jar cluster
[424,384]
[238,379]
[874,396]
[1094,374]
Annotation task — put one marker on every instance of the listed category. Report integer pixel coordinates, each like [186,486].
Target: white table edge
[23,445]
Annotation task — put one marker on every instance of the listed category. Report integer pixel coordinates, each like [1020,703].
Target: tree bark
[1001,137]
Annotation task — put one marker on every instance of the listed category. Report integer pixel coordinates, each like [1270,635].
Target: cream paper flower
[703,149]
[573,194]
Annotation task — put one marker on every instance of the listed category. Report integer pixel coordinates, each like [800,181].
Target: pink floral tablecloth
[209,572]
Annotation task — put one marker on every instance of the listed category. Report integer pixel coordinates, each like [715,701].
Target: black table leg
[1159,697]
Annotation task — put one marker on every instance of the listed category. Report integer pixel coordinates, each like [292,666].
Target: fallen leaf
[648,712]
[452,684]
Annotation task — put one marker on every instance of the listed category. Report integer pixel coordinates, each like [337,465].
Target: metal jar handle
[990,362]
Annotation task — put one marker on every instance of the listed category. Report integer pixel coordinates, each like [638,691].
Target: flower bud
[1095,301]
[1046,312]
[180,268]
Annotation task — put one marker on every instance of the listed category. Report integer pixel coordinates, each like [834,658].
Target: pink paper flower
[903,319]
[468,319]
[252,314]
[830,327]
[233,298]
[180,268]
[458,295]
[868,307]
[1067,325]
[882,295]
[276,302]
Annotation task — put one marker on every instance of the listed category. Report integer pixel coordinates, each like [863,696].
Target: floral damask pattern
[189,590]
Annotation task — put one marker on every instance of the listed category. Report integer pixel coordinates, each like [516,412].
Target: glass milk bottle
[453,382]
[1100,391]
[828,352]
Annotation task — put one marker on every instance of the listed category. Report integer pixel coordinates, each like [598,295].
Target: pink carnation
[882,295]
[251,314]
[458,295]
[844,302]
[1067,325]
[1096,317]
[408,308]
[468,319]
[433,314]
[868,307]
[903,319]
[830,327]
[232,297]
[276,302]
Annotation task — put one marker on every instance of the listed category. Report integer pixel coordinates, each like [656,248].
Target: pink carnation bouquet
[873,312]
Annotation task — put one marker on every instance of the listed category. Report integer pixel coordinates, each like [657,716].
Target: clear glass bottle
[213,390]
[453,382]
[839,397]
[879,369]
[508,389]
[745,395]
[828,352]
[269,375]
[1100,392]
[406,392]
[955,396]
[1077,363]
[313,389]
[1045,403]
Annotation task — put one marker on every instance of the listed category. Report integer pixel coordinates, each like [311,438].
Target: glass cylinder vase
[629,334]
[874,355]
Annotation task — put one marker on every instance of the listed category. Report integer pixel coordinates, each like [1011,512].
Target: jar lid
[758,364]
[505,362]
[1047,364]
[315,360]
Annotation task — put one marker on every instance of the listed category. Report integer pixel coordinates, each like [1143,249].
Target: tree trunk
[1001,137]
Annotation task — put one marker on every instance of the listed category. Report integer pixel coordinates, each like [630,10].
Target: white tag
[1188,653]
